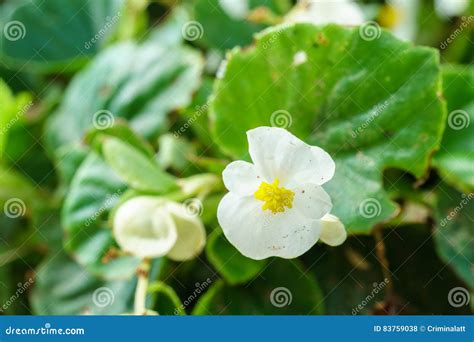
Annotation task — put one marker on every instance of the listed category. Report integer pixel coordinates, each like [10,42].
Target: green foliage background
[101,101]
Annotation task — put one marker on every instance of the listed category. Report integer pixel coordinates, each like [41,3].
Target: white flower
[450,8]
[400,16]
[320,12]
[276,206]
[153,227]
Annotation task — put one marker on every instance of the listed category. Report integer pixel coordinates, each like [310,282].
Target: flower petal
[311,201]
[333,232]
[143,228]
[260,234]
[241,178]
[191,233]
[277,153]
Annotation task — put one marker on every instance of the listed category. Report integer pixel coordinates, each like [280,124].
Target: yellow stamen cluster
[389,16]
[276,198]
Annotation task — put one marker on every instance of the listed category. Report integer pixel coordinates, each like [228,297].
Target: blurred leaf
[56,36]
[94,191]
[234,267]
[455,158]
[62,287]
[224,28]
[371,104]
[174,153]
[454,231]
[166,301]
[146,83]
[122,131]
[13,110]
[281,289]
[136,169]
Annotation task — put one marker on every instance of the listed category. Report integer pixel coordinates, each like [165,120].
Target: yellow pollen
[389,16]
[276,198]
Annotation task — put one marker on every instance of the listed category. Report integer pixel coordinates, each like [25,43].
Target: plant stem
[142,287]
[382,258]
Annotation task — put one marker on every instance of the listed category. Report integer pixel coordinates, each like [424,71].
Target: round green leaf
[55,35]
[455,158]
[372,104]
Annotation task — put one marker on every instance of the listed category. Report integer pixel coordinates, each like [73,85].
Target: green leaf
[139,171]
[455,158]
[13,110]
[94,191]
[146,83]
[62,287]
[166,301]
[234,267]
[454,231]
[283,288]
[121,131]
[55,35]
[371,104]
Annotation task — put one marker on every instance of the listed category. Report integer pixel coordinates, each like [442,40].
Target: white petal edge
[241,178]
[143,228]
[191,233]
[276,153]
[311,201]
[333,232]
[259,234]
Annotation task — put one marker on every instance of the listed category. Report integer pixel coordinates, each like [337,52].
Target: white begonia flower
[276,206]
[400,17]
[450,8]
[320,12]
[236,9]
[151,227]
